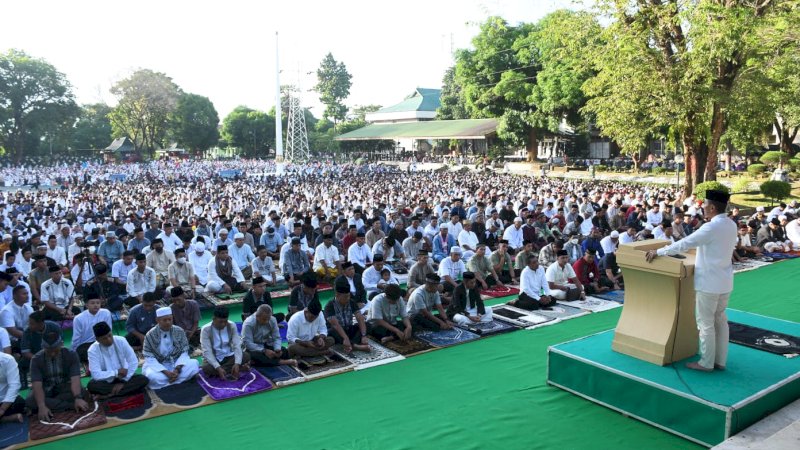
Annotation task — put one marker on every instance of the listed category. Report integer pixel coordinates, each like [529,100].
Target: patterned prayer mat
[67,422]
[204,302]
[594,304]
[614,296]
[766,340]
[13,433]
[282,375]
[128,408]
[249,382]
[562,311]
[498,291]
[410,347]
[489,328]
[378,356]
[445,338]
[186,394]
[780,256]
[519,317]
[335,364]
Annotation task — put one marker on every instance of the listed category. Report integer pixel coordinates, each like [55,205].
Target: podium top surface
[632,256]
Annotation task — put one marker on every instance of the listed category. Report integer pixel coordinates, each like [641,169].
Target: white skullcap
[7,236]
[238,236]
[760,209]
[443,227]
[199,247]
[782,217]
[615,234]
[223,231]
[554,220]
[65,226]
[455,250]
[78,235]
[518,219]
[164,311]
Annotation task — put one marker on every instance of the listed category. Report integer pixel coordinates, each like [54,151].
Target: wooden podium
[657,323]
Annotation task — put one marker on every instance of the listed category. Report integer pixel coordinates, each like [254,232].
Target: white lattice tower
[296,136]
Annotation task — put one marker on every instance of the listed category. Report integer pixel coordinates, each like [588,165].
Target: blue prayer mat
[188,393]
[445,338]
[279,374]
[614,296]
[13,433]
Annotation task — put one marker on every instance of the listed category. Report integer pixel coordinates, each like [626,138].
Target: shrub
[741,185]
[776,190]
[756,169]
[658,170]
[700,189]
[775,157]
[795,163]
[600,168]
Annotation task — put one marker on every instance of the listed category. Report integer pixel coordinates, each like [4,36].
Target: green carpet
[485,394]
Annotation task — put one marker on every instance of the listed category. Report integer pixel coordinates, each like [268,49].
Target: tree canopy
[249,129]
[333,86]
[194,123]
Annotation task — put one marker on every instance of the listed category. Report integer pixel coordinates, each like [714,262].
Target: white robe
[152,368]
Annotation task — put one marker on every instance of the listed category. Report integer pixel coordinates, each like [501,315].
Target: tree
[146,100]
[452,106]
[333,86]
[194,124]
[775,189]
[772,158]
[679,65]
[35,99]
[359,112]
[250,130]
[497,80]
[92,130]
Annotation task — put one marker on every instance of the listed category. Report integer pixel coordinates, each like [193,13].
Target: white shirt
[82,331]
[608,245]
[105,362]
[58,293]
[558,275]
[513,236]
[171,242]
[58,254]
[625,238]
[7,296]
[453,269]
[200,264]
[371,277]
[655,218]
[468,238]
[120,271]
[328,254]
[9,378]
[140,282]
[533,283]
[300,329]
[15,316]
[359,254]
[715,241]
[236,273]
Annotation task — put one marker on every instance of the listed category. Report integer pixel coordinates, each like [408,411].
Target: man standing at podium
[713,278]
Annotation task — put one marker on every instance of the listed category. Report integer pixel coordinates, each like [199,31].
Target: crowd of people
[403,251]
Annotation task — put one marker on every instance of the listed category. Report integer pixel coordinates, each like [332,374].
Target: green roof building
[419,106]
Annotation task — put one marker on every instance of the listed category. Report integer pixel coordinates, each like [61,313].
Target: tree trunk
[532,145]
[696,159]
[717,128]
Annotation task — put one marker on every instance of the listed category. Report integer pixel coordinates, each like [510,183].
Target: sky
[225,50]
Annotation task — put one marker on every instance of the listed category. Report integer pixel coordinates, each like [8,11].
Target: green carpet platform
[487,393]
[705,408]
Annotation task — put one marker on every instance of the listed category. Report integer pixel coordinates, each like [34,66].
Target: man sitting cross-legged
[56,379]
[388,317]
[307,333]
[166,353]
[113,364]
[340,312]
[12,406]
[224,276]
[467,306]
[82,326]
[423,301]
[186,315]
[262,339]
[483,269]
[222,347]
[564,284]
[534,288]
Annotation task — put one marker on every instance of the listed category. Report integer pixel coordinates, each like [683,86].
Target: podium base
[705,408]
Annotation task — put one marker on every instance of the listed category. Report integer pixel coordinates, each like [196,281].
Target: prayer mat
[748,264]
[186,394]
[334,364]
[278,287]
[282,375]
[67,422]
[204,302]
[780,256]
[378,356]
[408,348]
[614,296]
[519,317]
[498,291]
[218,389]
[766,340]
[594,304]
[489,328]
[234,296]
[562,311]
[66,324]
[14,433]
[128,408]
[281,293]
[445,338]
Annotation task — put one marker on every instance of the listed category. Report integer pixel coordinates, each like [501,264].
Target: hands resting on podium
[650,255]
